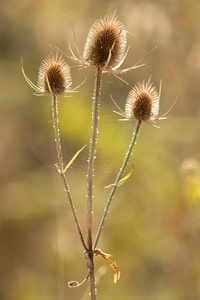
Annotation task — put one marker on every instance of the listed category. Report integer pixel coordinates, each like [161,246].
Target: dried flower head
[142,102]
[54,76]
[106,43]
[105,47]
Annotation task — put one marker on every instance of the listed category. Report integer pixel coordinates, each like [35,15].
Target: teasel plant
[105,51]
[54,79]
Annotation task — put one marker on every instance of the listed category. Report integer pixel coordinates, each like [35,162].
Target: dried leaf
[111,263]
[102,254]
[73,284]
[116,270]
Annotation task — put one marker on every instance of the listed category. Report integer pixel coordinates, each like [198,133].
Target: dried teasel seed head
[142,102]
[54,76]
[106,43]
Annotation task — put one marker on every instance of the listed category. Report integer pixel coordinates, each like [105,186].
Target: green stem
[90,176]
[119,176]
[54,110]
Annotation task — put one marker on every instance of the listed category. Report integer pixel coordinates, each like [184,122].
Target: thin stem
[119,176]
[93,140]
[90,176]
[54,110]
[92,278]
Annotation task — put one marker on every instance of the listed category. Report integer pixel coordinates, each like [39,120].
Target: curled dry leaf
[111,263]
[73,284]
[102,254]
[116,270]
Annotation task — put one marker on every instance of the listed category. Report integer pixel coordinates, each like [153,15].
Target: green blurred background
[153,228]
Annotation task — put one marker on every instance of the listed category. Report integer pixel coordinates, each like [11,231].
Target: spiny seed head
[106,43]
[54,76]
[142,102]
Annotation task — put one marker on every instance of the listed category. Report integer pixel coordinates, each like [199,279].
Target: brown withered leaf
[116,270]
[111,263]
[102,254]
[73,284]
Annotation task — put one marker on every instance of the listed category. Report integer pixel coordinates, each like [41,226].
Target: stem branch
[54,110]
[119,176]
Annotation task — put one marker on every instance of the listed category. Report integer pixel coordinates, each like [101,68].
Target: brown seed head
[106,43]
[54,76]
[142,102]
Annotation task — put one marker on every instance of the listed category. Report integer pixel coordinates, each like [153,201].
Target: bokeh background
[153,227]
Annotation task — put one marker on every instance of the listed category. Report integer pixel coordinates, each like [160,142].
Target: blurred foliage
[153,227]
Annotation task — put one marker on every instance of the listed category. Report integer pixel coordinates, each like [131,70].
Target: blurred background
[153,227]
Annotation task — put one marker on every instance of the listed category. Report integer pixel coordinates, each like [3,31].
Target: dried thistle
[53,78]
[105,47]
[106,43]
[54,75]
[142,102]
